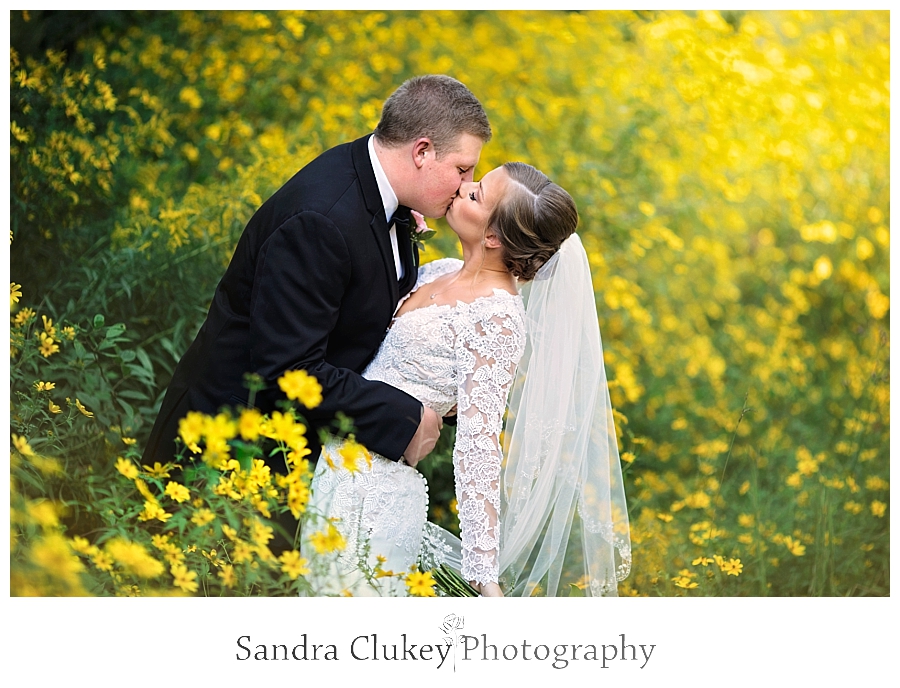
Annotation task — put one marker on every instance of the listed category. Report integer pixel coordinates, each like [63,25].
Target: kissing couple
[326,278]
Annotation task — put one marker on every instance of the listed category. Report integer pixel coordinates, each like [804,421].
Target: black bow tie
[401,220]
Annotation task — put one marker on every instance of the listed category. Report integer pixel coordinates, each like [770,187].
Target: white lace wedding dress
[445,356]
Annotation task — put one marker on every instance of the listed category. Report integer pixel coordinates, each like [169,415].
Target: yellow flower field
[731,171]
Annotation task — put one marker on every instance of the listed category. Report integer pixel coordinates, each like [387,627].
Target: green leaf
[115,330]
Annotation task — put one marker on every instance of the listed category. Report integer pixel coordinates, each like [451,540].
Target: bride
[547,509]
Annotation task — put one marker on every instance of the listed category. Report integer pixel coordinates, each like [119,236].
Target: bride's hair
[532,220]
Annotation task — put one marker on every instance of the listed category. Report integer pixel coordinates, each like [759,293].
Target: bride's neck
[485,262]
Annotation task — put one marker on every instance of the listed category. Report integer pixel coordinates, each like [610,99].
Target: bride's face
[469,213]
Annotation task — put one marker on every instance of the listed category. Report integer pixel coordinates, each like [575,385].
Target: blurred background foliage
[731,170]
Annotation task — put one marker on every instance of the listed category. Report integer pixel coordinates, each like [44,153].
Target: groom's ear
[422,149]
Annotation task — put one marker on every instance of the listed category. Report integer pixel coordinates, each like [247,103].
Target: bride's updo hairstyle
[532,220]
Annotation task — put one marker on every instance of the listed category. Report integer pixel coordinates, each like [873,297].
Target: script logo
[449,627]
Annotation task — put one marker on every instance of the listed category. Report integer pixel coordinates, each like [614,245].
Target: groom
[319,269]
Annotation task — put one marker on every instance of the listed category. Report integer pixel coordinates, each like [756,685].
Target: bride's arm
[487,352]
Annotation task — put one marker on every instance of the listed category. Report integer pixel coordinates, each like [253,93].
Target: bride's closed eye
[471,195]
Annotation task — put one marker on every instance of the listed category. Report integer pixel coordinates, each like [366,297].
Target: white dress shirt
[389,199]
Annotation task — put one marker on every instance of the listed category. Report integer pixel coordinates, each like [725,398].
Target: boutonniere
[420,231]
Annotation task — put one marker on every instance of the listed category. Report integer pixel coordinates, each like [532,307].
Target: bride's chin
[450,224]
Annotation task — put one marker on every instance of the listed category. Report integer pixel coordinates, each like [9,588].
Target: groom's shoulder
[324,181]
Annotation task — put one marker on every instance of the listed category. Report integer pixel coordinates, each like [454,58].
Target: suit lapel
[378,222]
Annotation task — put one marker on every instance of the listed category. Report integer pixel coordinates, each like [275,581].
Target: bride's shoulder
[500,305]
[431,271]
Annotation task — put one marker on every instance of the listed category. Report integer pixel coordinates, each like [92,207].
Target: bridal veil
[563,514]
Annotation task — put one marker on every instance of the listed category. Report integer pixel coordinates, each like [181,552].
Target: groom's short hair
[435,106]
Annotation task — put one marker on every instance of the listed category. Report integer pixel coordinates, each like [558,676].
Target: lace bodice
[464,356]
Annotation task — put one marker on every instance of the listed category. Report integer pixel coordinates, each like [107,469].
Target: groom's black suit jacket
[312,285]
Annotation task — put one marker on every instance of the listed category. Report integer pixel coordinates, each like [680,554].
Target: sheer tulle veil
[563,514]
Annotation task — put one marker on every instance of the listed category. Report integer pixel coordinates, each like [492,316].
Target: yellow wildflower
[873,482]
[47,466]
[81,408]
[152,510]
[795,547]
[15,293]
[702,561]
[301,386]
[53,554]
[229,579]
[157,470]
[127,468]
[102,561]
[421,584]
[219,428]
[628,457]
[853,507]
[242,552]
[184,579]
[202,516]
[42,386]
[293,564]
[732,567]
[177,492]
[260,533]
[190,428]
[684,582]
[328,540]
[53,408]
[351,452]
[665,518]
[144,490]
[69,333]
[283,427]
[48,346]
[697,500]
[161,541]
[191,96]
[134,558]
[43,512]
[878,508]
[23,316]
[380,572]
[83,546]
[298,498]
[48,327]
[22,446]
[744,488]
[248,425]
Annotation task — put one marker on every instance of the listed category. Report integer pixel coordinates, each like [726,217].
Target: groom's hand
[425,438]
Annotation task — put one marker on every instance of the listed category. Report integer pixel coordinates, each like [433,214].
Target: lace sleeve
[489,343]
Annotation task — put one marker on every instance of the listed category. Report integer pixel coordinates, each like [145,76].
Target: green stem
[760,557]
[712,520]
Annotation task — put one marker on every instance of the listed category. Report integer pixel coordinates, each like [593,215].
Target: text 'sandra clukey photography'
[453,649]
